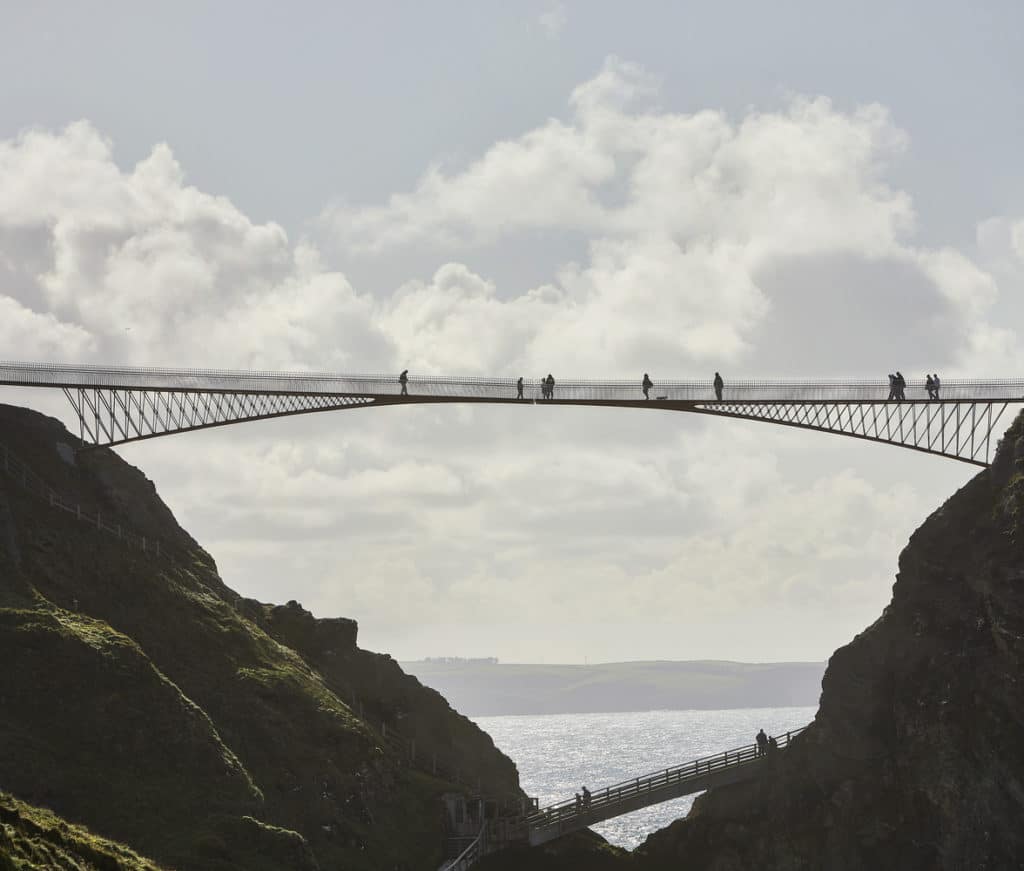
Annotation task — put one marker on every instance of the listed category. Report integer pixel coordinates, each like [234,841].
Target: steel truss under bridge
[117,405]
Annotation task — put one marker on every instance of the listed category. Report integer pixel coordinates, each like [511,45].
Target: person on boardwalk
[901,386]
[929,386]
[936,384]
[586,797]
[892,387]
[579,803]
[403,379]
[647,385]
[519,388]
[551,385]
[719,385]
[762,743]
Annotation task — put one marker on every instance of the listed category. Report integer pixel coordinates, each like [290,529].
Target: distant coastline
[486,687]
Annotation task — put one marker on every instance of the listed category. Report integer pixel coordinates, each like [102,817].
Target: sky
[597,189]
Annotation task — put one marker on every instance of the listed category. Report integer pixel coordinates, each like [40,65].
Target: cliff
[146,700]
[915,759]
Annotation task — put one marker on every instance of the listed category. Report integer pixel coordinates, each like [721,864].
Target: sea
[557,754]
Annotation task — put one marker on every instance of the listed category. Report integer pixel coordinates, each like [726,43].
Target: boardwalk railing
[605,803]
[30,481]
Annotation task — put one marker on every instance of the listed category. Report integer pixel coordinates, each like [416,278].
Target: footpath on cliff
[915,758]
[149,704]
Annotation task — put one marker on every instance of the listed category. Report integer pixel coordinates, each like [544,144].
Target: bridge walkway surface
[116,405]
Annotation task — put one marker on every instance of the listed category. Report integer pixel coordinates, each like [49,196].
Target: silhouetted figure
[892,387]
[519,388]
[762,743]
[551,386]
[586,797]
[929,385]
[901,386]
[773,745]
[579,803]
[403,379]
[719,384]
[936,384]
[647,385]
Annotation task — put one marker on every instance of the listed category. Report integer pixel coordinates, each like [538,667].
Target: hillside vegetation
[32,838]
[152,704]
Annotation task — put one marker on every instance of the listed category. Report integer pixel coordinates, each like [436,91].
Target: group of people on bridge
[547,386]
[897,386]
[765,744]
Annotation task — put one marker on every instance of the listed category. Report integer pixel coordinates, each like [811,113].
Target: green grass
[32,838]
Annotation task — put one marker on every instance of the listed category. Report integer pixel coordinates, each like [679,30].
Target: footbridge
[117,405]
[554,821]
[721,769]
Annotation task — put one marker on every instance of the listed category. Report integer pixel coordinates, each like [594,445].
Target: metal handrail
[471,854]
[653,782]
[481,387]
[20,472]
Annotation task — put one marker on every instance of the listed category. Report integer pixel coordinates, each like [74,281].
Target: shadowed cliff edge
[145,700]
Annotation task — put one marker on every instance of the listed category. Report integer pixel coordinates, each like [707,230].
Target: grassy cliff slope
[151,703]
[32,838]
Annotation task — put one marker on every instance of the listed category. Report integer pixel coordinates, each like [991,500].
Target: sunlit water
[558,753]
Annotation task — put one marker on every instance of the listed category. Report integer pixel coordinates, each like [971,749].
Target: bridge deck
[721,769]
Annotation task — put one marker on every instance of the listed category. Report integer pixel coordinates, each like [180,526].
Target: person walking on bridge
[929,386]
[892,387]
[719,385]
[901,386]
[403,379]
[551,386]
[647,384]
[762,743]
[519,388]
[586,797]
[936,384]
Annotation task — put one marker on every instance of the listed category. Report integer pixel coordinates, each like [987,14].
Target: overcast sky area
[593,189]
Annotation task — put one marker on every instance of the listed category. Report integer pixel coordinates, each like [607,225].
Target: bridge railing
[607,797]
[470,387]
[473,852]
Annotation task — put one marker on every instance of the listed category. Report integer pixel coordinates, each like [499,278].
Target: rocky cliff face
[146,700]
[915,759]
